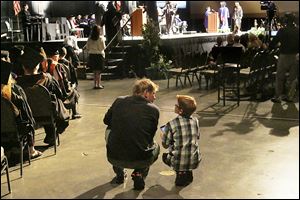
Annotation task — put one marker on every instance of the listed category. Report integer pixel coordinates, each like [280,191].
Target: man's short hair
[187,104]
[62,52]
[142,85]
[236,38]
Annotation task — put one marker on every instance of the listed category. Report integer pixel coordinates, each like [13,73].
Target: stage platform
[172,46]
[165,39]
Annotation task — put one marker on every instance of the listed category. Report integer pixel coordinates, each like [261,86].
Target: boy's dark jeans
[183,178]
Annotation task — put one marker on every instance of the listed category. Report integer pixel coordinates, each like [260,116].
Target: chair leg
[189,80]
[219,88]
[29,155]
[200,79]
[238,91]
[180,81]
[7,174]
[21,159]
[58,141]
[54,132]
[223,85]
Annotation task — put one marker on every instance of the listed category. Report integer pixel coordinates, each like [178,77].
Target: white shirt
[71,40]
[96,46]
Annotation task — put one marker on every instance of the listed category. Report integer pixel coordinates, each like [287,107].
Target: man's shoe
[117,180]
[139,183]
[276,100]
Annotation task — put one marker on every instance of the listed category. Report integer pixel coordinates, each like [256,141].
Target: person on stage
[169,13]
[237,16]
[207,12]
[26,22]
[224,15]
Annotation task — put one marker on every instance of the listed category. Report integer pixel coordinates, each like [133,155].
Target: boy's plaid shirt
[181,136]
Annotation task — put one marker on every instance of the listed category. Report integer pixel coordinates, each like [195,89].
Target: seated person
[78,20]
[180,136]
[24,119]
[70,43]
[72,75]
[237,42]
[92,21]
[215,50]
[14,53]
[85,25]
[230,40]
[254,42]
[70,94]
[31,60]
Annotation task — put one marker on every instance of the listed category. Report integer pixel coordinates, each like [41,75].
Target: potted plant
[155,63]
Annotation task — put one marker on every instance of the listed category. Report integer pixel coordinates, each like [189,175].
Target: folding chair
[4,167]
[229,74]
[12,33]
[39,100]
[9,130]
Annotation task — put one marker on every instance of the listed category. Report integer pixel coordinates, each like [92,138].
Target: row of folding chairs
[40,102]
[187,68]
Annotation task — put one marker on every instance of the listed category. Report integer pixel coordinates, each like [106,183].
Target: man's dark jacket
[133,121]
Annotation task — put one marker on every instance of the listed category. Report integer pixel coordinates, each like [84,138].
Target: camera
[267,5]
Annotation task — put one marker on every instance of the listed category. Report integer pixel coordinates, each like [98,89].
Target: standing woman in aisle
[95,47]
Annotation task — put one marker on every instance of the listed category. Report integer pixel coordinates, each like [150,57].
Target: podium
[137,21]
[213,22]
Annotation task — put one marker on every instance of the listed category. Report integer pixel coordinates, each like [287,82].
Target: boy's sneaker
[139,183]
[183,178]
[190,176]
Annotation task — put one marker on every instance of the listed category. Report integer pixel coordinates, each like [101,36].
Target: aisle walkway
[250,151]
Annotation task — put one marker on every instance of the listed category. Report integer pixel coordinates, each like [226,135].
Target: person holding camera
[288,61]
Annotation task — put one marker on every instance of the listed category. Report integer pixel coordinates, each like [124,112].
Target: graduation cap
[15,52]
[5,71]
[31,58]
[52,50]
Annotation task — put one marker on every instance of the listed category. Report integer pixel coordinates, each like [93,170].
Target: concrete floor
[250,151]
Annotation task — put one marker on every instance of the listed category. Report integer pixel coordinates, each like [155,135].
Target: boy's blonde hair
[187,104]
[142,85]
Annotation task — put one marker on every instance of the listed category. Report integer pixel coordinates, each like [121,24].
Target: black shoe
[190,176]
[183,178]
[49,141]
[139,183]
[61,127]
[117,180]
[99,87]
[76,116]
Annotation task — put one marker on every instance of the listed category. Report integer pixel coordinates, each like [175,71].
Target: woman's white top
[96,46]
